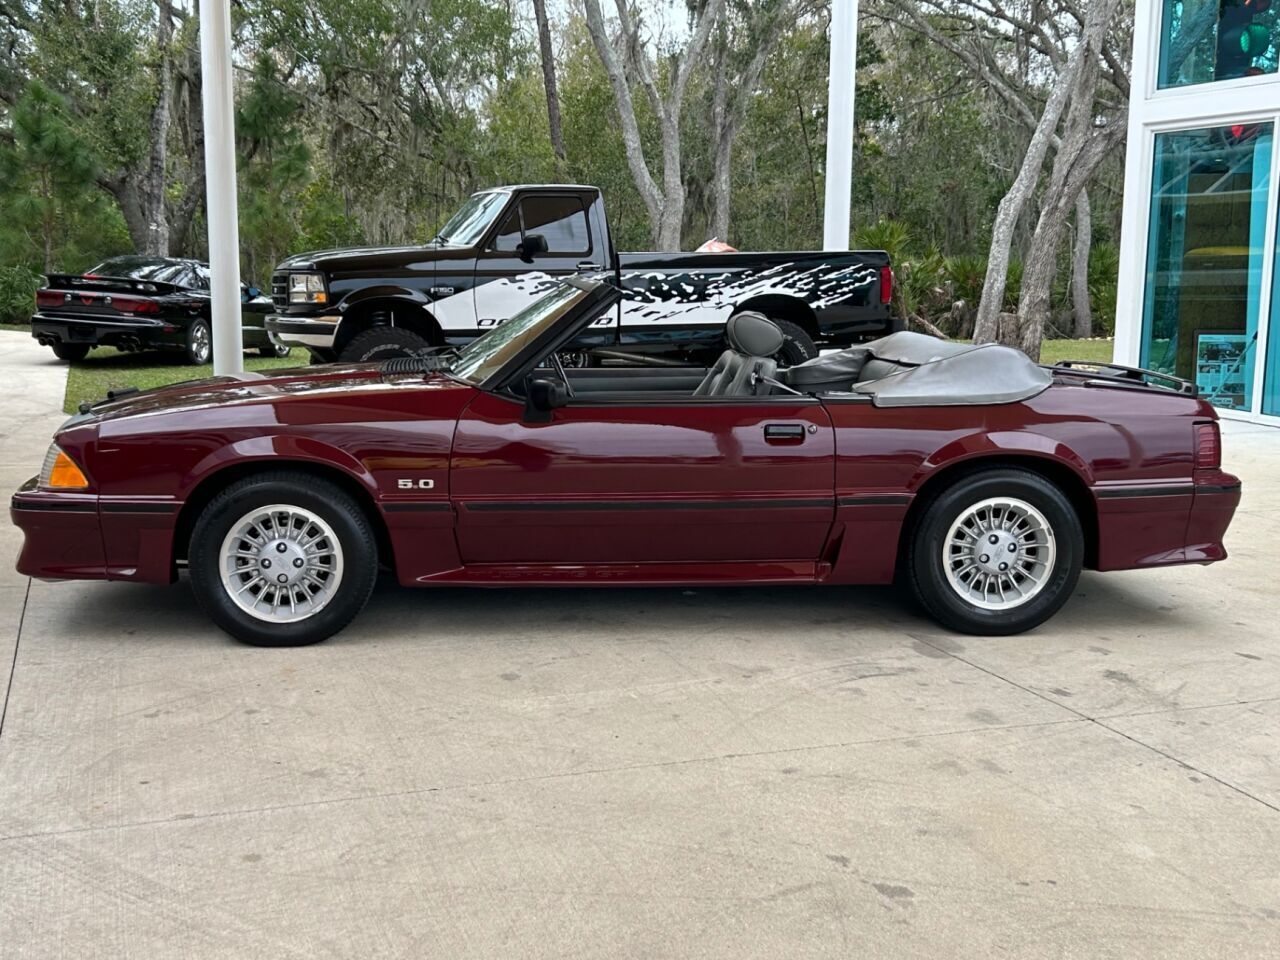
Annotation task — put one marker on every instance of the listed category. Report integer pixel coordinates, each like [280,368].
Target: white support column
[839,185]
[220,185]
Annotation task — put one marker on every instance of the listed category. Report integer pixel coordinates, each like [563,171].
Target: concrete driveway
[625,773]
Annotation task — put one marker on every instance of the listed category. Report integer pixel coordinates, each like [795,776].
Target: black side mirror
[533,245]
[541,397]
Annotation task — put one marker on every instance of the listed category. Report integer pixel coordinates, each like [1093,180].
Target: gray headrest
[753,334]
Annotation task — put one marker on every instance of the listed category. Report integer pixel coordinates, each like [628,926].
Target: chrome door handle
[588,265]
[784,432]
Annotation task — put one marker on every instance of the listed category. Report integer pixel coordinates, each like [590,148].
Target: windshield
[467,225]
[483,357]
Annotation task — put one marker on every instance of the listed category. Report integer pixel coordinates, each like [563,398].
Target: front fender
[274,449]
[388,292]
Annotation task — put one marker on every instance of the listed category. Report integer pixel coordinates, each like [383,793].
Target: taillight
[49,298]
[135,305]
[1208,445]
[886,284]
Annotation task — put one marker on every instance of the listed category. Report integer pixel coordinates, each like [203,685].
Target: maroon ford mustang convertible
[980,479]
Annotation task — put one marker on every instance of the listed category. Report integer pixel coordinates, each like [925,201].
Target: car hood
[359,258]
[294,384]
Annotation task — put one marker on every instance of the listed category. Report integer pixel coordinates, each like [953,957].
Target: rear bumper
[126,333]
[1165,524]
[317,332]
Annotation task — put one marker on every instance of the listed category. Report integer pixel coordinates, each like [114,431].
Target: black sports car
[142,303]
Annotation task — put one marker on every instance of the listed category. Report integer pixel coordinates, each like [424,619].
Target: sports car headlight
[60,472]
[307,288]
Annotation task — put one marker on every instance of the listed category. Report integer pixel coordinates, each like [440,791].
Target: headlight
[307,288]
[60,472]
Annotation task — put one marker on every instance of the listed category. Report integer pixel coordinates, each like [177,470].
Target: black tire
[71,351]
[383,343]
[926,569]
[329,502]
[199,348]
[797,346]
[274,348]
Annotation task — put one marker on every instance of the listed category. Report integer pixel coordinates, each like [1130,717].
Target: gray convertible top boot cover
[923,371]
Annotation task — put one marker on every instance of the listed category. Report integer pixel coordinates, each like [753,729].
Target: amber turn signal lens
[66,475]
[61,473]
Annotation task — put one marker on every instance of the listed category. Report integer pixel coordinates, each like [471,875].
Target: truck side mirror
[532,245]
[542,397]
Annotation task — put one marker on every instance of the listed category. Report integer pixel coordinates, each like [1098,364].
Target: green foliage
[370,120]
[1104,273]
[18,287]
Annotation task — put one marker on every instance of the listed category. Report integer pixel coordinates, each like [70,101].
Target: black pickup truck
[506,246]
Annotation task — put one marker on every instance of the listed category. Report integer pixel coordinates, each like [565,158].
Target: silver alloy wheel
[999,553]
[281,563]
[200,342]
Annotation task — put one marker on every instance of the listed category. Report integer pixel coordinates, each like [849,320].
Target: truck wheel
[797,346]
[282,559]
[383,343]
[199,344]
[996,553]
[274,348]
[70,351]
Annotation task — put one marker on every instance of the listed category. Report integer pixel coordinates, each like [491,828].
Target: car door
[507,279]
[664,479]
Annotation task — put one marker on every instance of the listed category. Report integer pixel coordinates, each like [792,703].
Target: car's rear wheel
[383,343]
[998,552]
[282,559]
[199,346]
[71,351]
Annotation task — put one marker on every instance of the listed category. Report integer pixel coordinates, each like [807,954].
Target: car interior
[902,369]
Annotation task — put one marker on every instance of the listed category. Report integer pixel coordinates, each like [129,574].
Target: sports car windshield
[483,357]
[467,225]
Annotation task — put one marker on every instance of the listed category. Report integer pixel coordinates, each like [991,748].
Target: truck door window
[509,234]
[562,220]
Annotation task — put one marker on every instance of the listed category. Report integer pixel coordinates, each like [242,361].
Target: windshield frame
[549,324]
[487,205]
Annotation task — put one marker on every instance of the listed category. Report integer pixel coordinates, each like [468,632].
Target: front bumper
[62,538]
[84,536]
[315,332]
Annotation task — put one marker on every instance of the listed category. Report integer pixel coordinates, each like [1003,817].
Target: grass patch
[16,327]
[1097,351]
[108,369]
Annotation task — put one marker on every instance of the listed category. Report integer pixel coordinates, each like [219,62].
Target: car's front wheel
[996,553]
[282,559]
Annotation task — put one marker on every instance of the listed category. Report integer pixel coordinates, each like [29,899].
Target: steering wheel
[564,378]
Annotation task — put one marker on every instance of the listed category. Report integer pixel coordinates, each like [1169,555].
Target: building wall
[1198,249]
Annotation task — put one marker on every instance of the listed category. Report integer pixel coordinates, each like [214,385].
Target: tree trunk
[1011,204]
[1077,82]
[156,242]
[549,79]
[664,205]
[1081,307]
[1082,149]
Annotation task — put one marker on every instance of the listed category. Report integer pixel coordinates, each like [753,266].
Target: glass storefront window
[1205,40]
[1204,258]
[1271,380]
